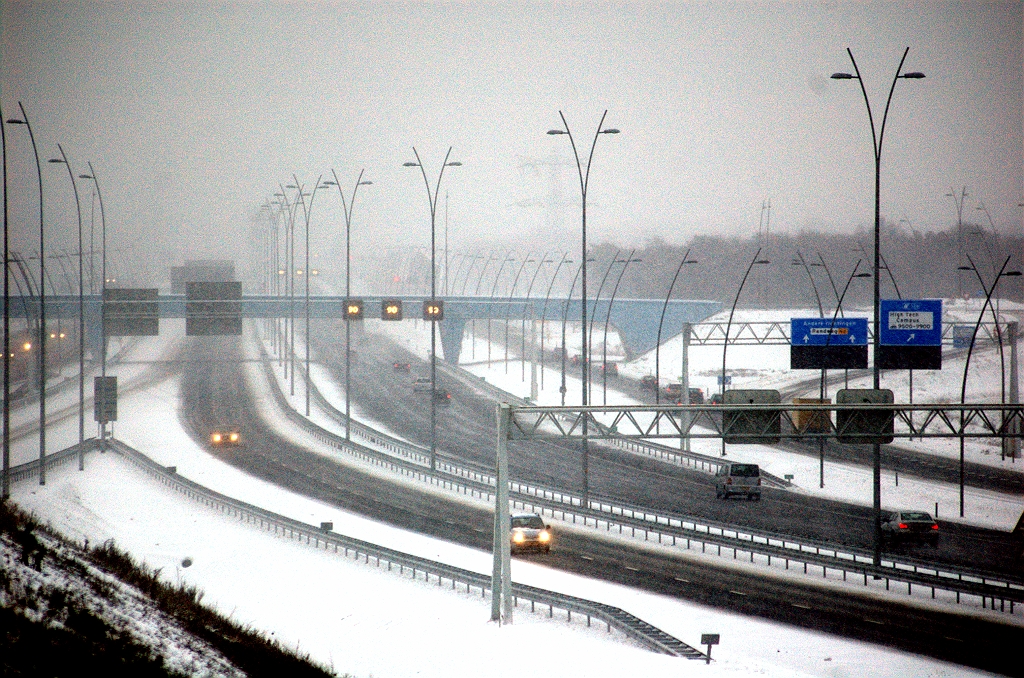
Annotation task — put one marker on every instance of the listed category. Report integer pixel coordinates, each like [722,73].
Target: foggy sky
[193,113]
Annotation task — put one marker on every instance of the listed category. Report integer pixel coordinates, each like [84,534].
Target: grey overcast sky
[192,113]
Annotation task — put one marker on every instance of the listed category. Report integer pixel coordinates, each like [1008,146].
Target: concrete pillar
[1011,446]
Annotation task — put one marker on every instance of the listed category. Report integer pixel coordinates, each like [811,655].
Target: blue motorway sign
[828,332]
[910,322]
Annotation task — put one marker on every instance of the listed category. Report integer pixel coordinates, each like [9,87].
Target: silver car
[529,533]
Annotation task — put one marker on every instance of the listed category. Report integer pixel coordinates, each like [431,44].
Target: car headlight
[518,537]
[544,536]
[216,438]
[233,437]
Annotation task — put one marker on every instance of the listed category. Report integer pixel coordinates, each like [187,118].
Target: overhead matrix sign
[910,334]
[828,343]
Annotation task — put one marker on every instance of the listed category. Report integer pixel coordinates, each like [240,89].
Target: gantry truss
[762,422]
[777,333]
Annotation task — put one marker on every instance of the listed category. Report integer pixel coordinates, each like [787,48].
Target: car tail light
[935,526]
[903,526]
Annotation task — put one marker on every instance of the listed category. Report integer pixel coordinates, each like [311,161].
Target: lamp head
[610,130]
[15,121]
[913,75]
[557,131]
[843,76]
[58,161]
[410,164]
[453,163]
[365,183]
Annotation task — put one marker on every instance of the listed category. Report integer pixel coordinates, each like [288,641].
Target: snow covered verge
[66,609]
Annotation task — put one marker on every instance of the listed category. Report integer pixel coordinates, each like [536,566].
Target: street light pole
[544,312]
[876,142]
[511,292]
[103,292]
[970,349]
[657,349]
[958,203]
[607,319]
[347,208]
[63,160]
[432,201]
[5,489]
[725,343]
[42,299]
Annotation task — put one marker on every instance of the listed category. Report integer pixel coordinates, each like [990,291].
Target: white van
[744,479]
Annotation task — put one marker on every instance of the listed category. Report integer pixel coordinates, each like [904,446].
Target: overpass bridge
[636,319]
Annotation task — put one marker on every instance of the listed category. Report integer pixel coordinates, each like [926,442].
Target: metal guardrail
[356,549]
[988,587]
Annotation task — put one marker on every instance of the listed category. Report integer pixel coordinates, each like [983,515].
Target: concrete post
[501,574]
[684,441]
[1011,446]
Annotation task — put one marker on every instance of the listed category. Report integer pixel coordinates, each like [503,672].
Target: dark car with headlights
[529,533]
[916,526]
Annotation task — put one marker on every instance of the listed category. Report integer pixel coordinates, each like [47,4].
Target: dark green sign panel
[213,309]
[130,312]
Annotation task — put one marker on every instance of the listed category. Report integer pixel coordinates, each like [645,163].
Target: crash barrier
[407,564]
[964,585]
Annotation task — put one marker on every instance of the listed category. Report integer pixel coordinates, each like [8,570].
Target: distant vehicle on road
[611,369]
[529,533]
[442,396]
[716,399]
[743,479]
[674,393]
[899,526]
[226,437]
[421,385]
[403,367]
[649,382]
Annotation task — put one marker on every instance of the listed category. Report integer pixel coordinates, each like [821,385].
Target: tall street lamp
[584,176]
[725,343]
[511,292]
[306,272]
[5,487]
[63,160]
[494,289]
[23,120]
[103,290]
[347,208]
[544,312]
[958,203]
[607,318]
[661,322]
[432,201]
[876,141]
[522,325]
[1003,273]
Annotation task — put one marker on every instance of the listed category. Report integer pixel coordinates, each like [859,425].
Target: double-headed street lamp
[1003,273]
[347,207]
[432,201]
[584,176]
[876,141]
[23,120]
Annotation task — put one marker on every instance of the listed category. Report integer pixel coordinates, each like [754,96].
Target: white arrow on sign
[911,337]
[806,338]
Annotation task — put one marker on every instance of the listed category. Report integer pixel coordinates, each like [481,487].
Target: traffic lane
[638,480]
[278,461]
[970,640]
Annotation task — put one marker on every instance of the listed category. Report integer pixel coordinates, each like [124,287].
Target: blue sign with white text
[828,332]
[910,322]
